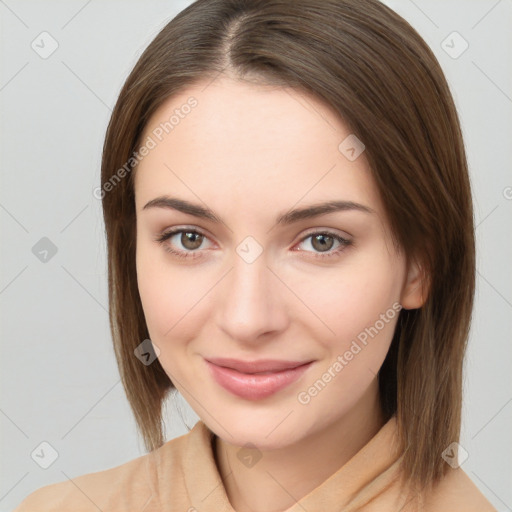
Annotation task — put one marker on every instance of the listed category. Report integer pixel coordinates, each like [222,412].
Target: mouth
[255,380]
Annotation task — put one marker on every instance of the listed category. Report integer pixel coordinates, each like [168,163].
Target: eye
[189,239]
[322,243]
[188,243]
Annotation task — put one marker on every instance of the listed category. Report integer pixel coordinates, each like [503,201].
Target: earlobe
[416,286]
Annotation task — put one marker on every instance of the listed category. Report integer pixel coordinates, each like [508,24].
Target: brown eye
[184,243]
[322,242]
[191,240]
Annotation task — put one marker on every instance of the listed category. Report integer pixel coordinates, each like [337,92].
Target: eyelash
[162,239]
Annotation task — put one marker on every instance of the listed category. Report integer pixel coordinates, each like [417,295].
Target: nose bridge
[252,302]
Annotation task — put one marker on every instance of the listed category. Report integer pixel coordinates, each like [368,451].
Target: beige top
[182,476]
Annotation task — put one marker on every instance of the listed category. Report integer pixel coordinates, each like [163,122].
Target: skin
[249,153]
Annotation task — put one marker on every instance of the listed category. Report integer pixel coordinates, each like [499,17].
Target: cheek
[172,297]
[152,294]
[370,308]
[352,298]
[363,314]
[361,307]
[174,301]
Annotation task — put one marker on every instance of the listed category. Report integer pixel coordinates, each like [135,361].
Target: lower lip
[255,386]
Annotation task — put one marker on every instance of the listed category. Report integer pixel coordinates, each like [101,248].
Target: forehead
[246,139]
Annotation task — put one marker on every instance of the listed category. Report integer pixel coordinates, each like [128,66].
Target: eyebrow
[283,219]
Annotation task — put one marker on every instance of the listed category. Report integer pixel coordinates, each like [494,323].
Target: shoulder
[456,492]
[133,485]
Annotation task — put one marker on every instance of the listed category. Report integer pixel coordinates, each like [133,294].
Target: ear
[416,286]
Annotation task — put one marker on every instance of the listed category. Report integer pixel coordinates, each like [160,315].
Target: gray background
[59,381]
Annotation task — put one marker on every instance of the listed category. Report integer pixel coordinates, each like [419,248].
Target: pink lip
[246,380]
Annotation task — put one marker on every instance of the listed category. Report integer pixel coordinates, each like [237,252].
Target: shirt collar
[360,480]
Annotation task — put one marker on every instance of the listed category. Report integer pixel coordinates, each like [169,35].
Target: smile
[257,379]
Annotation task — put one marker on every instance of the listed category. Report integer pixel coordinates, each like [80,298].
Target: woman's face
[251,275]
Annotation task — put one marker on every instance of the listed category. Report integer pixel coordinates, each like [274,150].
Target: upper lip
[263,365]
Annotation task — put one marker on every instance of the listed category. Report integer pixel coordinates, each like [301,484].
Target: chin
[264,428]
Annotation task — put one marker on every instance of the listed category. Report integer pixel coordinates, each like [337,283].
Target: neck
[285,475]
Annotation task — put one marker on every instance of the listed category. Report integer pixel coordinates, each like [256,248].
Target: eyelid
[179,228]
[329,231]
[165,235]
[344,243]
[309,232]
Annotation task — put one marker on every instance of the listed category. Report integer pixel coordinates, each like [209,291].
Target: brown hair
[370,66]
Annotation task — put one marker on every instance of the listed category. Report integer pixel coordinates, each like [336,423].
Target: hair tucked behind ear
[370,66]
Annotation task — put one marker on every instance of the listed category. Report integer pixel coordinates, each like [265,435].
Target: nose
[251,301]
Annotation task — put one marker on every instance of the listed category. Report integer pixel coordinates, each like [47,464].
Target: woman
[290,246]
